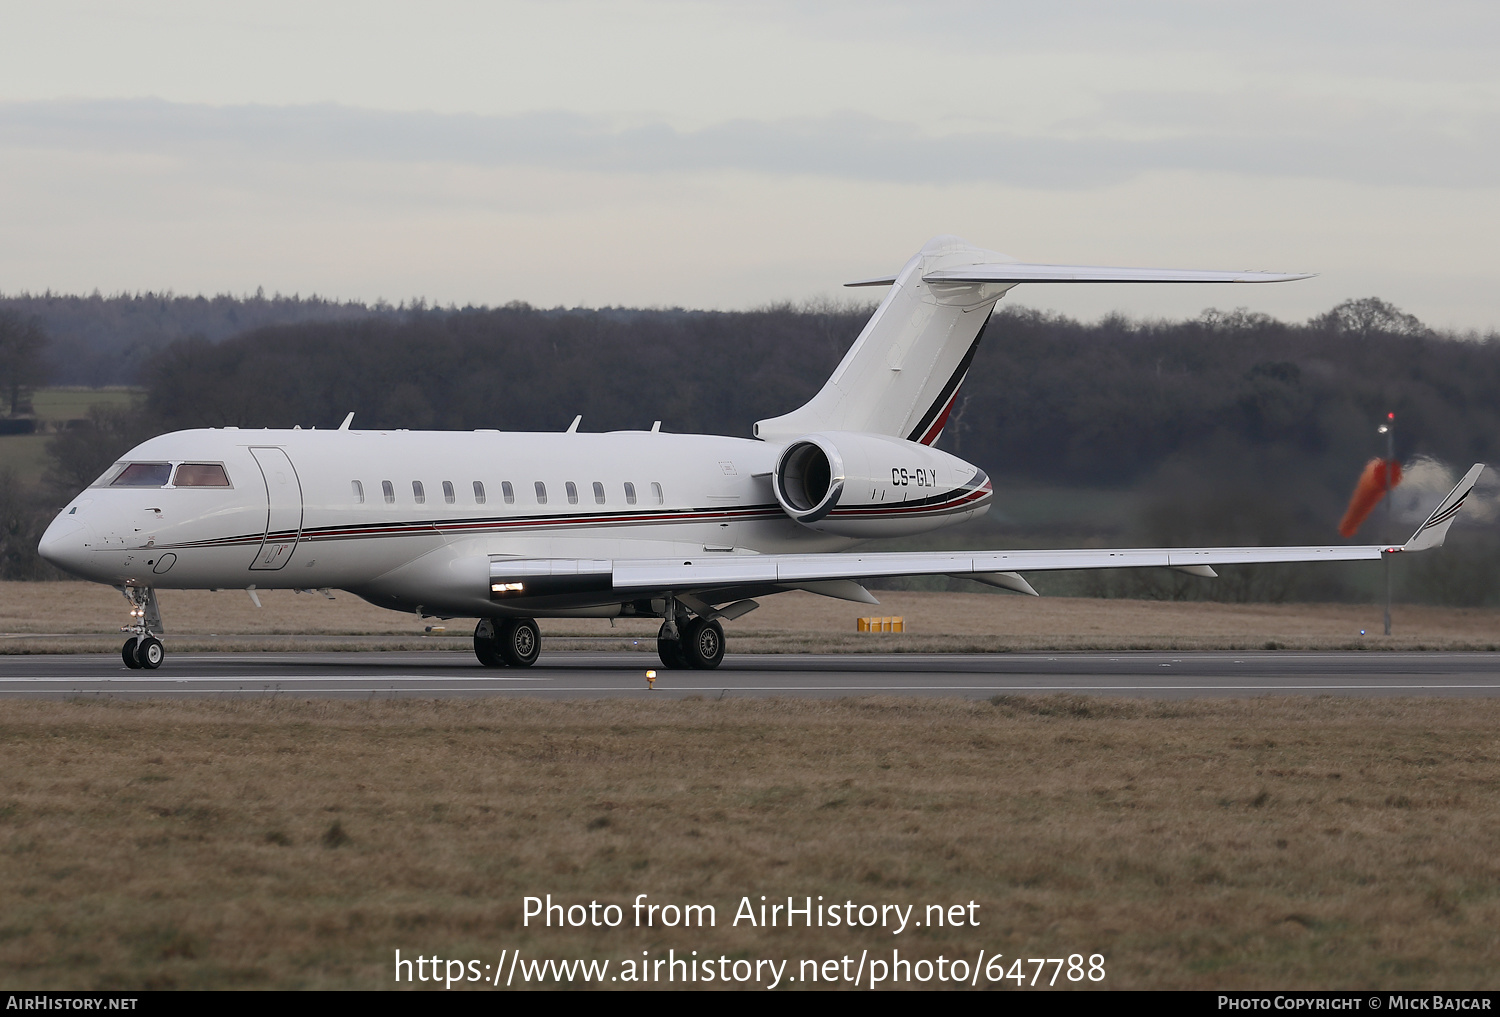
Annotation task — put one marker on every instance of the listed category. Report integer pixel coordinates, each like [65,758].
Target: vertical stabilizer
[902,374]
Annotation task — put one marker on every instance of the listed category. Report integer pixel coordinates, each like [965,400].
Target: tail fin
[903,372]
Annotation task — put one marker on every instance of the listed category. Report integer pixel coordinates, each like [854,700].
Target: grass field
[26,454]
[77,617]
[1270,843]
[59,405]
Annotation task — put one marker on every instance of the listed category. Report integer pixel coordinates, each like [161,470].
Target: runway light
[651,680]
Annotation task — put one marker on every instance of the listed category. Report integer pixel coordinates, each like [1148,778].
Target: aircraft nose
[66,544]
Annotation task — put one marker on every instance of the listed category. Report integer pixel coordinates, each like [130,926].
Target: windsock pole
[1389,430]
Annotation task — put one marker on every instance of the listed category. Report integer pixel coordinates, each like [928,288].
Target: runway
[586,675]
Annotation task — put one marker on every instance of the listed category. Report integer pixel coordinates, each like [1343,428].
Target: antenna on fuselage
[347,421]
[573,427]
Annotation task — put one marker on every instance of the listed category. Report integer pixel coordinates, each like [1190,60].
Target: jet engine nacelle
[871,485]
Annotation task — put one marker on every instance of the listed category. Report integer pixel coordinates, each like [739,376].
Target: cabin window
[478,492]
[389,491]
[541,493]
[448,495]
[359,491]
[572,489]
[661,499]
[508,491]
[629,493]
[598,493]
[417,493]
[201,475]
[143,475]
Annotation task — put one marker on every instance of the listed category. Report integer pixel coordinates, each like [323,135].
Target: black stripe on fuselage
[938,503]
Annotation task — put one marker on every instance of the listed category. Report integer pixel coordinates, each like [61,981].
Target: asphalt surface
[591,675]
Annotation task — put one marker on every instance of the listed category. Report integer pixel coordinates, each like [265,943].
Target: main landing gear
[696,643]
[683,642]
[507,642]
[143,649]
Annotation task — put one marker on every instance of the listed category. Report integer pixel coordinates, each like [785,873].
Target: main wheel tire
[149,653]
[127,654]
[520,642]
[703,644]
[670,650]
[485,646]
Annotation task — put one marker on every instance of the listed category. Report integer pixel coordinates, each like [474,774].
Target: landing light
[507,587]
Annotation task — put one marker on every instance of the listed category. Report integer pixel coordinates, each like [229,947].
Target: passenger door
[283,509]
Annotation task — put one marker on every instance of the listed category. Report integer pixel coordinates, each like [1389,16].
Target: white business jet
[510,527]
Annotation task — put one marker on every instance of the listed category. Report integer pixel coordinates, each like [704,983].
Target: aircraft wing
[716,578]
[721,577]
[797,569]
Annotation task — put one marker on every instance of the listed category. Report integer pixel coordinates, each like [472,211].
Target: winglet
[347,421]
[1432,532]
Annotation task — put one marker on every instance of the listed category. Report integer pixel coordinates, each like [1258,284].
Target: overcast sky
[730,155]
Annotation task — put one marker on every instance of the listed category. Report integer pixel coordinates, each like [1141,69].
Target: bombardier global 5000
[510,527]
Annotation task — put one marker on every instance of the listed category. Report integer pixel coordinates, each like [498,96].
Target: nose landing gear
[143,648]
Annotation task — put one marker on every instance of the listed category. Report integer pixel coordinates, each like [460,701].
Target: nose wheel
[143,653]
[143,650]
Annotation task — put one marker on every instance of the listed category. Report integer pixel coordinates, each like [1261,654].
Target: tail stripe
[931,424]
[1443,515]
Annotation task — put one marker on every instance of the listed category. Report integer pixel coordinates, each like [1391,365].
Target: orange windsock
[1368,492]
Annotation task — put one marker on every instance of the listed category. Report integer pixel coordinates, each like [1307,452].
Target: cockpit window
[143,475]
[109,474]
[201,475]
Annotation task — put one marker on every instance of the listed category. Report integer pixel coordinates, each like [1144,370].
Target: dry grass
[1265,843]
[79,617]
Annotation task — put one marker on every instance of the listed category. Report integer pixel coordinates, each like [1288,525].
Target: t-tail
[902,375]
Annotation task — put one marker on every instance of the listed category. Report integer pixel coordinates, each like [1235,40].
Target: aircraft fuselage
[404,517]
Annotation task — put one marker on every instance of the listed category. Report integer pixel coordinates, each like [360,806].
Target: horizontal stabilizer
[1017,273]
[1435,529]
[1012,273]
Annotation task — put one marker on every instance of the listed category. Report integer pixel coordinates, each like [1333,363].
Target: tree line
[99,340]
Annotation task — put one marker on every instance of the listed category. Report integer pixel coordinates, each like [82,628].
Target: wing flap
[669,573]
